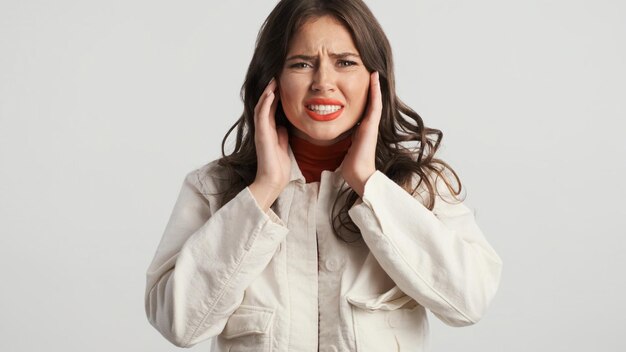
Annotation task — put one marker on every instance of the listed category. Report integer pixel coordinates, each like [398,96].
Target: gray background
[106,105]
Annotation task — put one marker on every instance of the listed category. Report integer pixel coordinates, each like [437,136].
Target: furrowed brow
[311,58]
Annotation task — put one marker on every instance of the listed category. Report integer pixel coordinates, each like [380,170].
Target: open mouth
[324,112]
[324,109]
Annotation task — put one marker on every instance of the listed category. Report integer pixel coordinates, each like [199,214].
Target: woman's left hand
[360,161]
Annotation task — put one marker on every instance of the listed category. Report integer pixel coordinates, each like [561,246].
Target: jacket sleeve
[440,258]
[205,260]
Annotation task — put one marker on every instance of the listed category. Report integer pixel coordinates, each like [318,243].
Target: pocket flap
[247,320]
[390,300]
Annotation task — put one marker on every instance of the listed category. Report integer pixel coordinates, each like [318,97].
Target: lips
[323,101]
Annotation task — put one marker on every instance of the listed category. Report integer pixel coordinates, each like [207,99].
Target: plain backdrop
[106,105]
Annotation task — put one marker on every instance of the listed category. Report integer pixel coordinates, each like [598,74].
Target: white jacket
[281,281]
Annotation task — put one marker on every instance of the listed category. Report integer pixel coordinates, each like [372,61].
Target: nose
[323,78]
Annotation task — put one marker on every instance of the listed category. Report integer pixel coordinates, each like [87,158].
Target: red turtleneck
[312,159]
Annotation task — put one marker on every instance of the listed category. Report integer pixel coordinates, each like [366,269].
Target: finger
[258,106]
[272,113]
[371,120]
[376,103]
[271,86]
[263,119]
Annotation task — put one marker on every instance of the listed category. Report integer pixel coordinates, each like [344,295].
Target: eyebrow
[311,58]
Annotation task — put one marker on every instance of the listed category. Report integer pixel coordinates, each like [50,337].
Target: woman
[331,226]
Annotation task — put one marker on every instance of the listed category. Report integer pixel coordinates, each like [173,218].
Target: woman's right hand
[273,162]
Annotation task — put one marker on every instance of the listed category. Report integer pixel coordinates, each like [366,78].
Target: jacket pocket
[249,328]
[390,300]
[391,321]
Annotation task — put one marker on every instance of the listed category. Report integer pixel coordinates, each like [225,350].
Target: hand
[360,161]
[273,163]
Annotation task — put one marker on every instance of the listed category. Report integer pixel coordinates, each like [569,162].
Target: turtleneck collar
[313,159]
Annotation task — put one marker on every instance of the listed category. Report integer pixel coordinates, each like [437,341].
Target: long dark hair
[405,148]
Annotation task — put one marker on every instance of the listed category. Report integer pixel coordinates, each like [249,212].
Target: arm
[205,261]
[439,258]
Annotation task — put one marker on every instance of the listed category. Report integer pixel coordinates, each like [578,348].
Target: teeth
[324,109]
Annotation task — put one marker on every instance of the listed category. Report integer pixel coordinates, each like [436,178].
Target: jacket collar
[296,174]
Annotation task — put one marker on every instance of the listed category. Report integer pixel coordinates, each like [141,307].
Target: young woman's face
[323,85]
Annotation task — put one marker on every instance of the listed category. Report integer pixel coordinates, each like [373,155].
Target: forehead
[321,33]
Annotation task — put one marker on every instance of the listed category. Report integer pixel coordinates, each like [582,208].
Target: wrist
[263,194]
[358,184]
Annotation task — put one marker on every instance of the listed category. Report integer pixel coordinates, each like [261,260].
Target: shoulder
[208,178]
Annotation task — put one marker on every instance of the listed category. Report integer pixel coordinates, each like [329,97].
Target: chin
[324,137]
[321,132]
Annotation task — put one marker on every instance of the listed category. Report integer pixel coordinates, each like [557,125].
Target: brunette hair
[399,126]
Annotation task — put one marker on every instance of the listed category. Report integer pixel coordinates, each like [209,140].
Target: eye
[299,65]
[346,63]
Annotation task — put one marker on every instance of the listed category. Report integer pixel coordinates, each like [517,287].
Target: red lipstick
[323,101]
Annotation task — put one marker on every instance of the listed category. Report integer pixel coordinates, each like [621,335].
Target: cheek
[289,94]
[359,89]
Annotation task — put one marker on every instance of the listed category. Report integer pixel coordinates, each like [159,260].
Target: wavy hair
[405,147]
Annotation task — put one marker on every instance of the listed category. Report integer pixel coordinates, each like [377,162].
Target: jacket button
[331,264]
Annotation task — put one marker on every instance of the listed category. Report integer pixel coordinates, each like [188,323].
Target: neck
[312,159]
